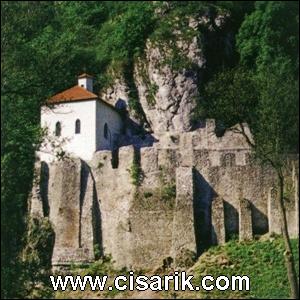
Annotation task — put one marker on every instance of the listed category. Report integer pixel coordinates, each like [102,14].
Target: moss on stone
[136,171]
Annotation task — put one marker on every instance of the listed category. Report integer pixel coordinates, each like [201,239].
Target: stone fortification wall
[155,205]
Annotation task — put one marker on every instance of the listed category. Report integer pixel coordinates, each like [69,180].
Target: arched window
[105,132]
[57,129]
[77,126]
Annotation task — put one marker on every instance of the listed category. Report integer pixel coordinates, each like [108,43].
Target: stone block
[149,159]
[183,238]
[86,234]
[214,158]
[35,199]
[296,190]
[245,220]
[218,235]
[71,200]
[168,158]
[241,158]
[228,160]
[186,150]
[273,212]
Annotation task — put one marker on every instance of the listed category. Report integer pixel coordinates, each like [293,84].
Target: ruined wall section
[115,193]
[63,192]
[151,214]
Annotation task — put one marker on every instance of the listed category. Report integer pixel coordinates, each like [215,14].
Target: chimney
[86,81]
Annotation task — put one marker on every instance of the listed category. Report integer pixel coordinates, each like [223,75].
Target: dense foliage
[263,89]
[270,36]
[45,44]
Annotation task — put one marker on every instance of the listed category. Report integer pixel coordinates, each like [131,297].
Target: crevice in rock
[83,188]
[44,187]
[115,158]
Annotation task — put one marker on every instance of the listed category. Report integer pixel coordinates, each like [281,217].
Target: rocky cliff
[167,78]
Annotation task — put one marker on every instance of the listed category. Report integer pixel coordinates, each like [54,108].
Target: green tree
[268,101]
[36,258]
[20,100]
[230,97]
[25,84]
[268,43]
[269,36]
[277,136]
[43,45]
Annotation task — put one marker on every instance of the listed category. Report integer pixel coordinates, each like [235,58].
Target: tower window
[105,132]
[58,129]
[77,126]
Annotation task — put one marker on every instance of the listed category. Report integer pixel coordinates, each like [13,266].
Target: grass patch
[262,261]
[101,267]
[168,192]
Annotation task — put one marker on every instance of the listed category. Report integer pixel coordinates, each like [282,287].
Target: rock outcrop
[116,93]
[168,98]
[167,88]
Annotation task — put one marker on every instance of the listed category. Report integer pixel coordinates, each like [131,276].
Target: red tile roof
[75,93]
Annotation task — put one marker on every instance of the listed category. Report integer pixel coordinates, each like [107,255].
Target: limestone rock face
[169,97]
[117,93]
[167,92]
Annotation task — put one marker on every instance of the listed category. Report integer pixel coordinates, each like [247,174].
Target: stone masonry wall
[193,190]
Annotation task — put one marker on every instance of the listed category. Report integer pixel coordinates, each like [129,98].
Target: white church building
[78,123]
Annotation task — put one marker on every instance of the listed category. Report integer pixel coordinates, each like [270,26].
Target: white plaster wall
[106,114]
[82,145]
[86,83]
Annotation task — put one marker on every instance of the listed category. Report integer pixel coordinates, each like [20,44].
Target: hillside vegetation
[262,261]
